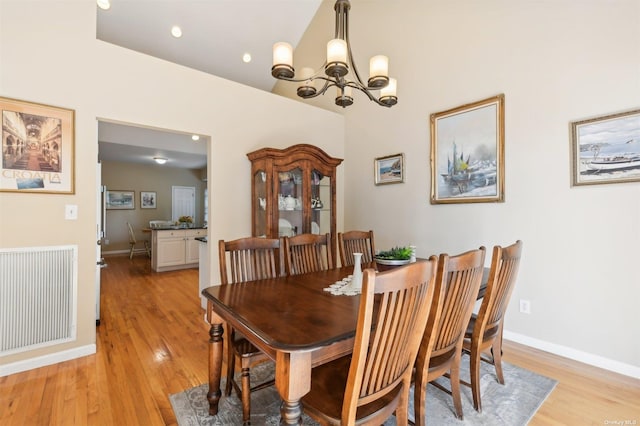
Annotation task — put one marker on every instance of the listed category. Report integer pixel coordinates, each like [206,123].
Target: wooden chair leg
[231,359]
[131,247]
[455,388]
[475,378]
[497,359]
[246,396]
[420,396]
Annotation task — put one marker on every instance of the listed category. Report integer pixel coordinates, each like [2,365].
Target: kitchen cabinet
[293,191]
[173,249]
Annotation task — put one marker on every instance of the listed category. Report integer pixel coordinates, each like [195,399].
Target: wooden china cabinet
[293,191]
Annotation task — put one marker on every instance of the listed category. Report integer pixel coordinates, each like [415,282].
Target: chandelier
[337,68]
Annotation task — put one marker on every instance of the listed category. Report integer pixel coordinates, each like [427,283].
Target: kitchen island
[173,249]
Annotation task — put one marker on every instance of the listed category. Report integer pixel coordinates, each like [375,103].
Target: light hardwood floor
[152,342]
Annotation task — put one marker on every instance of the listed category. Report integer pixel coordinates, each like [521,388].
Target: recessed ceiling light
[104,4]
[160,160]
[195,137]
[176,31]
[246,58]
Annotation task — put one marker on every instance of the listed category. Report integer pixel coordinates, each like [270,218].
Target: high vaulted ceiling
[215,36]
[215,33]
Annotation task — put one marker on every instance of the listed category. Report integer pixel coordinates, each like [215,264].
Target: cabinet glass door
[320,203]
[260,203]
[290,203]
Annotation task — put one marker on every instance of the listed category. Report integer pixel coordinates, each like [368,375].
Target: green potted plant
[185,221]
[397,256]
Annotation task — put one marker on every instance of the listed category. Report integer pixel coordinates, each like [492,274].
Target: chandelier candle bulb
[343,96]
[388,94]
[336,58]
[378,71]
[307,89]
[282,60]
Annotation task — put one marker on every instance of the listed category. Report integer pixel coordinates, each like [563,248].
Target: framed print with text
[37,148]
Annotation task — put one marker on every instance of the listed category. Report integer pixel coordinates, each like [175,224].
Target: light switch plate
[71,212]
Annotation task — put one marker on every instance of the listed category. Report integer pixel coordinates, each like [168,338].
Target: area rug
[512,404]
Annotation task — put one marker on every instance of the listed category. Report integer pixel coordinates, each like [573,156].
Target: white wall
[50,55]
[556,61]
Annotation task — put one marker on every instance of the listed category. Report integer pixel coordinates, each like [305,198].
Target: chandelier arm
[346,39]
[328,83]
[367,92]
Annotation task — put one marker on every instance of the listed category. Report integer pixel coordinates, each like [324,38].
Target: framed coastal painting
[120,200]
[389,169]
[148,200]
[606,149]
[37,148]
[467,153]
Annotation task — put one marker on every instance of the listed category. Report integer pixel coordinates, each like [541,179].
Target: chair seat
[328,384]
[245,349]
[472,323]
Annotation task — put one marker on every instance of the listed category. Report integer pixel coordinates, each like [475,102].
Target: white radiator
[38,287]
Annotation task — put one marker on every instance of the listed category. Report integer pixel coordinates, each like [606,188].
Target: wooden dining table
[292,320]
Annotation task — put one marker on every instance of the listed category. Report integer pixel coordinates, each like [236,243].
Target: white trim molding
[44,360]
[576,355]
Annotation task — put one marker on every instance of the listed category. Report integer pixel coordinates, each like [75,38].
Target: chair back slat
[250,259]
[505,263]
[307,253]
[384,355]
[132,235]
[462,276]
[356,242]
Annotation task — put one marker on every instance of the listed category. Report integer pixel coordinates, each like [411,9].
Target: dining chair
[133,241]
[460,277]
[249,259]
[356,242]
[370,385]
[306,253]
[485,329]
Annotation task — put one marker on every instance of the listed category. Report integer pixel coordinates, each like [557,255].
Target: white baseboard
[576,355]
[44,360]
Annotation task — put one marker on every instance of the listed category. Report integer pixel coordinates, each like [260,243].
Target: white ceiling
[133,144]
[216,34]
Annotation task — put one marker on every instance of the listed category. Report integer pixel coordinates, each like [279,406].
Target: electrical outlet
[525,306]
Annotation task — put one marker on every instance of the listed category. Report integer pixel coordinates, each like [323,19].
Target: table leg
[293,380]
[216,349]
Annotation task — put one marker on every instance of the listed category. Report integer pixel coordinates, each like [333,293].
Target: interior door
[183,202]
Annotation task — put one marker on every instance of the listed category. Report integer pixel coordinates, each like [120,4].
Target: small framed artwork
[606,149]
[389,169]
[467,153]
[37,148]
[120,200]
[148,200]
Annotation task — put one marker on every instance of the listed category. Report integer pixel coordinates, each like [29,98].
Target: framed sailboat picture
[467,153]
[606,149]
